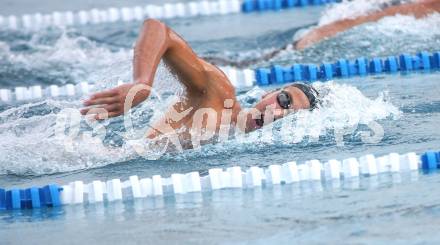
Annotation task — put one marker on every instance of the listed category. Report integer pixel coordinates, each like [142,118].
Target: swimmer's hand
[110,103]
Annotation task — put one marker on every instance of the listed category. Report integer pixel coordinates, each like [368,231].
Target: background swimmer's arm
[156,41]
[419,10]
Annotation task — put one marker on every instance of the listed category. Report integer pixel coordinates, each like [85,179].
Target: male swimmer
[207,89]
[209,93]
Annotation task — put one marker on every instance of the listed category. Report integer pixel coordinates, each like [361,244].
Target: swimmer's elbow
[153,33]
[154,25]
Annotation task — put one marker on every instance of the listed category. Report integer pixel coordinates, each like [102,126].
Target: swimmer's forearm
[158,41]
[151,45]
[417,9]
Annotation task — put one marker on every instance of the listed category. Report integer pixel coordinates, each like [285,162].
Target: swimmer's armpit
[418,9]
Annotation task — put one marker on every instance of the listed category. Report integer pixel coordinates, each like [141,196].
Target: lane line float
[274,75]
[313,171]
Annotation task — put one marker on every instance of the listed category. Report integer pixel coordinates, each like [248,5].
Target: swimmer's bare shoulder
[418,9]
[205,84]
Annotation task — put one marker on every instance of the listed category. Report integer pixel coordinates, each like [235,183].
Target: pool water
[403,209]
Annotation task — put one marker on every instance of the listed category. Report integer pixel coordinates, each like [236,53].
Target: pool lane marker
[37,92]
[47,196]
[312,171]
[275,75]
[38,21]
[276,5]
[343,68]
[239,78]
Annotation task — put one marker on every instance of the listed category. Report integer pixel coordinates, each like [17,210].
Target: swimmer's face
[277,104]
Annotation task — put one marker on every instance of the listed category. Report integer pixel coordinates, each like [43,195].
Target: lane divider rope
[37,92]
[275,75]
[138,13]
[239,78]
[312,171]
[404,63]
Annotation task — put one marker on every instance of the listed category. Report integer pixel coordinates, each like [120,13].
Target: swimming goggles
[286,101]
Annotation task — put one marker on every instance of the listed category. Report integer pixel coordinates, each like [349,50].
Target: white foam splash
[348,9]
[29,147]
[390,36]
[343,107]
[392,26]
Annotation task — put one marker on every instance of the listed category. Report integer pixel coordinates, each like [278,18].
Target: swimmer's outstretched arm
[156,41]
[418,9]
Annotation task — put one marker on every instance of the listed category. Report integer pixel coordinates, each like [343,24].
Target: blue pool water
[403,209]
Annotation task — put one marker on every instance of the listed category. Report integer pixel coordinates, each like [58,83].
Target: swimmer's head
[282,102]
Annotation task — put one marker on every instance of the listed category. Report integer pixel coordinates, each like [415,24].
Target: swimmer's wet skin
[309,177]
[419,9]
[206,87]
